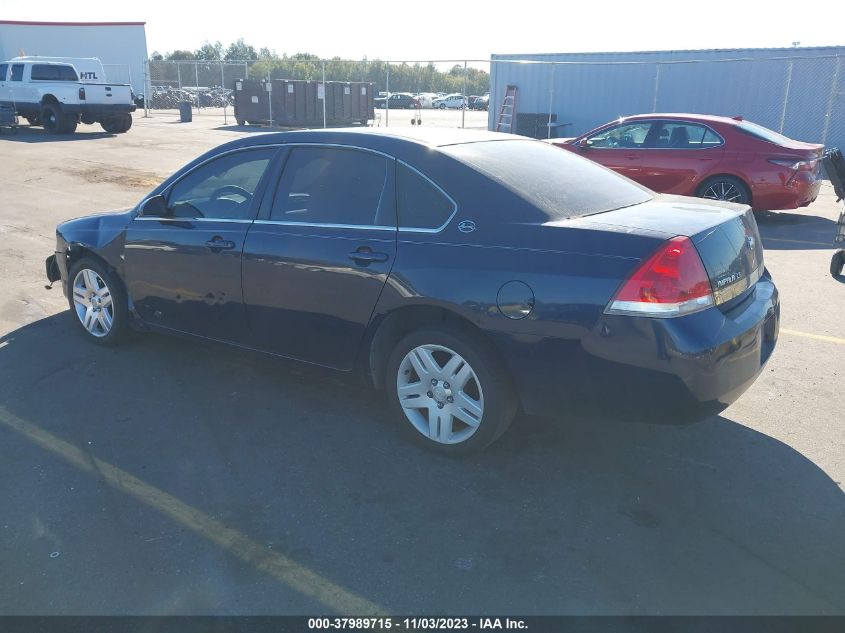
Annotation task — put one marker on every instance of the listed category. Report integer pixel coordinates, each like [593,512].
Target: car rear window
[762,133]
[554,180]
[53,72]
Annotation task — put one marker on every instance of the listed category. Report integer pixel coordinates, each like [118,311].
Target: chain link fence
[208,86]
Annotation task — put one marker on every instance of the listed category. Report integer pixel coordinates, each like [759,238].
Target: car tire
[418,372]
[117,124]
[726,188]
[837,262]
[442,106]
[55,121]
[240,122]
[98,301]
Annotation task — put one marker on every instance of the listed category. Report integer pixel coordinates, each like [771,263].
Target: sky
[470,29]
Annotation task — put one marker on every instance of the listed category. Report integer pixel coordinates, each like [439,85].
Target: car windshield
[763,133]
[556,181]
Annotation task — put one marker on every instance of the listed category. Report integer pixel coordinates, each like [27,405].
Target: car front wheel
[97,301]
[449,390]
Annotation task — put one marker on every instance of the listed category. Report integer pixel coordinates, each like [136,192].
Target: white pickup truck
[61,92]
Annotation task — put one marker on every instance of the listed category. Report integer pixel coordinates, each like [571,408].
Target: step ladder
[507,113]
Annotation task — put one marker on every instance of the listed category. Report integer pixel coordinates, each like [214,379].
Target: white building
[121,46]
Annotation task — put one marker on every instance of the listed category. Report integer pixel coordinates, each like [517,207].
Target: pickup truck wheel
[126,123]
[52,118]
[117,124]
[69,124]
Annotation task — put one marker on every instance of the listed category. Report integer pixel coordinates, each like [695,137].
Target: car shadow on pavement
[26,134]
[574,515]
[783,230]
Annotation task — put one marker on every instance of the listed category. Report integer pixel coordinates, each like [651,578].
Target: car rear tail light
[670,283]
[796,165]
[82,93]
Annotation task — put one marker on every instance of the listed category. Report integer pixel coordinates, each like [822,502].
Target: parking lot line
[280,567]
[818,337]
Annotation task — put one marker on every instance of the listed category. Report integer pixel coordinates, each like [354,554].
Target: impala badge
[466,226]
[724,281]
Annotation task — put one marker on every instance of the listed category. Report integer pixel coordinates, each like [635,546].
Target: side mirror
[155,206]
[584,143]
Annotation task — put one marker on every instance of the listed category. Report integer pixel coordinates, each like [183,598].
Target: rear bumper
[801,191]
[98,109]
[672,371]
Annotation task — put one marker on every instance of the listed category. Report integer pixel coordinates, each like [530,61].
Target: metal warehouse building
[797,91]
[121,46]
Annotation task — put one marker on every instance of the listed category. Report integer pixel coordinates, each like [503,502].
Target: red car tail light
[670,283]
[82,93]
[794,164]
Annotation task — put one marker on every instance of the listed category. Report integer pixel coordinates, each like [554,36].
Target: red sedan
[707,156]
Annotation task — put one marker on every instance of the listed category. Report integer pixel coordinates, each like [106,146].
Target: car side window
[711,139]
[422,205]
[629,135]
[683,135]
[53,72]
[17,72]
[329,185]
[4,69]
[222,188]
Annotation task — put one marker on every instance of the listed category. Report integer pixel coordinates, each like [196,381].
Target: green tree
[210,52]
[180,55]
[240,50]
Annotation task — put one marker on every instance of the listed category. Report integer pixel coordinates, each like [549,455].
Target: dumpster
[186,112]
[252,102]
[299,102]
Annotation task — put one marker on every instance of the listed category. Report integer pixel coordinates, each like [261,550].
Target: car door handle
[365,255]
[217,244]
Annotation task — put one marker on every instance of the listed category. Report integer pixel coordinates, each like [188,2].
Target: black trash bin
[186,111]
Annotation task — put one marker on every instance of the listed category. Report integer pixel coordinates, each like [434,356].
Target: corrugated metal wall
[797,91]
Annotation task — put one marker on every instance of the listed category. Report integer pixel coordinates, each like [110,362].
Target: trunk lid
[725,235]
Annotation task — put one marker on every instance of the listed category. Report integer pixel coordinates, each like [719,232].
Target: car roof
[710,118]
[376,137]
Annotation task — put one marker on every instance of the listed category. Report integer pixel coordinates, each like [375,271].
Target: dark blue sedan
[467,274]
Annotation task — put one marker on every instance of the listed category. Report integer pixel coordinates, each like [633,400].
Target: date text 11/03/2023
[415,624]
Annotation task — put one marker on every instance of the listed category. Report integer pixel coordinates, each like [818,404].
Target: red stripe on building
[13,22]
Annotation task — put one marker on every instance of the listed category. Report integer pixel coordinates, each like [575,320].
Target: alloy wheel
[440,394]
[92,301]
[723,190]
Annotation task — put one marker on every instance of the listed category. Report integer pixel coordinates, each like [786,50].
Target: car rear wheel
[98,302]
[449,390]
[725,188]
[117,124]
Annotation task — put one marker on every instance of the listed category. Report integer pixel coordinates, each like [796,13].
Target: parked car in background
[716,157]
[59,93]
[450,101]
[426,99]
[398,100]
[480,103]
[468,274]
